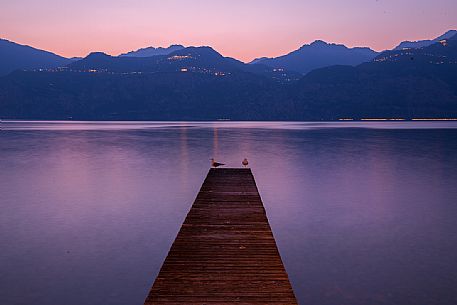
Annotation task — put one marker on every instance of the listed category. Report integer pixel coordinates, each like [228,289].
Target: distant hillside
[151,51]
[397,84]
[14,56]
[424,43]
[193,59]
[442,52]
[147,96]
[317,55]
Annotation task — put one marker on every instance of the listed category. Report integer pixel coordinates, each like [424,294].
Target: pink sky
[244,29]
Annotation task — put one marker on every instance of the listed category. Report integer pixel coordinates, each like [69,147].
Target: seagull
[215,164]
[245,162]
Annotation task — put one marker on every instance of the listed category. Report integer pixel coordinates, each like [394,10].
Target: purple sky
[243,29]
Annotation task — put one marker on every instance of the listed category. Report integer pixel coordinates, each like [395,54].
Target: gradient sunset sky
[244,29]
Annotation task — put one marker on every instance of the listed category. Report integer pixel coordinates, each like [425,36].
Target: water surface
[363,213]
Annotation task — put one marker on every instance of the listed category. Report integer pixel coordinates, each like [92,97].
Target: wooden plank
[225,252]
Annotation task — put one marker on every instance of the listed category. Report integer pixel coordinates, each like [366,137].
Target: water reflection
[215,144]
[361,215]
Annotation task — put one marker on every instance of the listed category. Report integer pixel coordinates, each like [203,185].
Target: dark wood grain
[225,252]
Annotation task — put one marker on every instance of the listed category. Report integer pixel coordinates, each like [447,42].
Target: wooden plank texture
[225,252]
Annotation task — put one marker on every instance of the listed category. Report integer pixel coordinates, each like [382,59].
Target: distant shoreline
[234,121]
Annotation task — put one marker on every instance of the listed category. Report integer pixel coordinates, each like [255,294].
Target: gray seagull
[245,162]
[215,164]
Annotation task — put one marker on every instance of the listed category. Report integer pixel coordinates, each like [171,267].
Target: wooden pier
[225,252]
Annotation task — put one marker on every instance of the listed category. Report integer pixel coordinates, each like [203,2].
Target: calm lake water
[363,213]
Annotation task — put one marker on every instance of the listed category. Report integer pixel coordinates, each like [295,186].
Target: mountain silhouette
[317,55]
[152,51]
[424,43]
[198,83]
[192,59]
[397,84]
[14,56]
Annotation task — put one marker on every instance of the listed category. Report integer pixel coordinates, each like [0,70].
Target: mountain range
[319,54]
[312,56]
[412,83]
[203,60]
[198,83]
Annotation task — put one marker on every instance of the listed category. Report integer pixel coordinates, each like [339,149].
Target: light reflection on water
[363,212]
